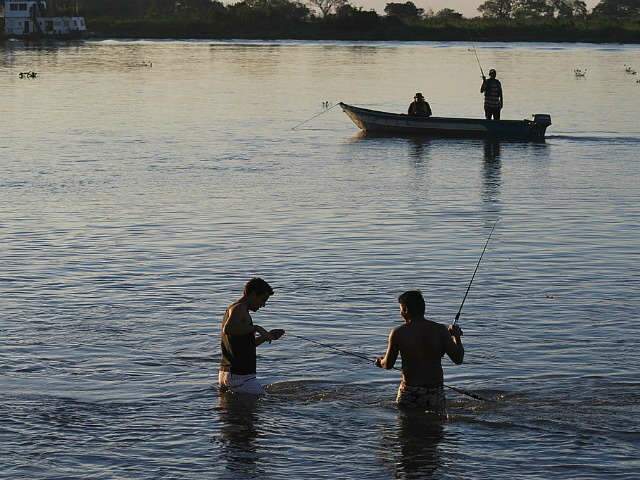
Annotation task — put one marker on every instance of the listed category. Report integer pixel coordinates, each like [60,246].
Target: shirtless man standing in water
[422,344]
[239,341]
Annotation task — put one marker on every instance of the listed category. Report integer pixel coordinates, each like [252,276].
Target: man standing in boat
[239,341]
[493,99]
[419,107]
[422,344]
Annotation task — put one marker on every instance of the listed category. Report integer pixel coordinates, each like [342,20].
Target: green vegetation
[501,20]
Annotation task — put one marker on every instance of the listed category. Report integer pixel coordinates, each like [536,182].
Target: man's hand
[484,79]
[263,333]
[276,333]
[378,362]
[455,331]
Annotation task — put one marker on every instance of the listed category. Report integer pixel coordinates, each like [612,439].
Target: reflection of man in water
[422,344]
[239,432]
[238,363]
[419,107]
[493,99]
[419,436]
[410,447]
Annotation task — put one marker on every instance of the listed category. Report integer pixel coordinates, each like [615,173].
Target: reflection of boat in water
[400,124]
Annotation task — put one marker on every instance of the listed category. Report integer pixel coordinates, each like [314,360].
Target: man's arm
[239,323]
[273,335]
[261,339]
[389,360]
[429,113]
[484,85]
[454,347]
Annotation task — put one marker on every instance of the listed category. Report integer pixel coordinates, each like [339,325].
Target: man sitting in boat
[419,107]
[492,89]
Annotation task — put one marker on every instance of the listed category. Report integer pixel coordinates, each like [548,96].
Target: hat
[493,70]
[419,95]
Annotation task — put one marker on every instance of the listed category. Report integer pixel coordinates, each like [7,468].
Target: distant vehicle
[34,19]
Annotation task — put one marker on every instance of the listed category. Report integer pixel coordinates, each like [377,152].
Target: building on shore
[35,19]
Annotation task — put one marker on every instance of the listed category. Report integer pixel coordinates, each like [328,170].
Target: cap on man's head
[419,95]
[492,71]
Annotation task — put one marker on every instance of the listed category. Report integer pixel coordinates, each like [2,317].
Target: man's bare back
[422,344]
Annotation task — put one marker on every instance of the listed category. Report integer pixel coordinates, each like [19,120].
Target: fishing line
[345,352]
[474,273]
[368,360]
[315,116]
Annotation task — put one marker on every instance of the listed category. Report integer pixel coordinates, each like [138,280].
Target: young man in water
[422,344]
[239,341]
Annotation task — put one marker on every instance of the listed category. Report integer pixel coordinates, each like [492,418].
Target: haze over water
[135,202]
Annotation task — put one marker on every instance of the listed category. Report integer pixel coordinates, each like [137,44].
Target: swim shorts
[425,398]
[233,383]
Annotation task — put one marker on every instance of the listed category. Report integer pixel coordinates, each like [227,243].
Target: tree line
[324,9]
[536,9]
[554,20]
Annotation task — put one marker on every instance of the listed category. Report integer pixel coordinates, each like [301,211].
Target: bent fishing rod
[474,273]
[368,360]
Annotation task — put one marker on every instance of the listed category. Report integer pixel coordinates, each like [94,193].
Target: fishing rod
[478,60]
[315,116]
[474,273]
[368,360]
[476,54]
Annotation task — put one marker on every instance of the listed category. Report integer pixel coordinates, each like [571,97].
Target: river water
[136,201]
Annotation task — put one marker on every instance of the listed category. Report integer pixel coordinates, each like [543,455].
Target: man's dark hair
[414,302]
[258,286]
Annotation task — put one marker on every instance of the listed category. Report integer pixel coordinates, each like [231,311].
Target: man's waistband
[229,369]
[422,388]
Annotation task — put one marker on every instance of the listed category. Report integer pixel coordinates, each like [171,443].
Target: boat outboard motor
[542,119]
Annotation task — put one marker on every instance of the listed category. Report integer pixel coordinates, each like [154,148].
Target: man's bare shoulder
[237,311]
[399,328]
[401,331]
[439,329]
[237,306]
[435,325]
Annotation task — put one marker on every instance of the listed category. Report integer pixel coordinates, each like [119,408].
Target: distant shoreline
[470,30]
[268,38]
[373,29]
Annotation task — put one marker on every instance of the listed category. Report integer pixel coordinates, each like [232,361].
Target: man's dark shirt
[492,89]
[420,108]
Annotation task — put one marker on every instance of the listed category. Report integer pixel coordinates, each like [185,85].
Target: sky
[467,7]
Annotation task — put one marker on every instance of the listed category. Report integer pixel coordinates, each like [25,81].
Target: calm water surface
[135,202]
